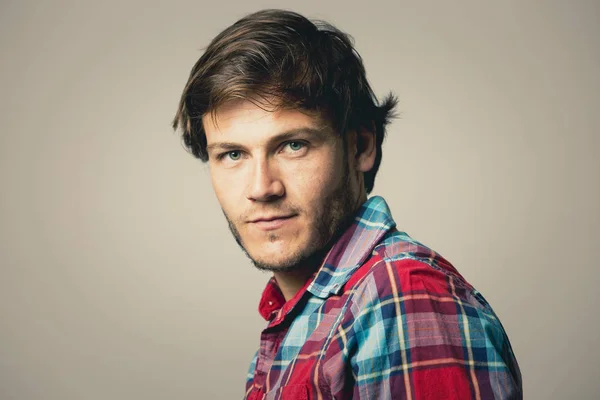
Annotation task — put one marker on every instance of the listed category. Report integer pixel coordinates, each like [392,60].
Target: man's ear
[366,149]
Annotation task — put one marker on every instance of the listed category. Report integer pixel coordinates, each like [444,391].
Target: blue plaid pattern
[385,317]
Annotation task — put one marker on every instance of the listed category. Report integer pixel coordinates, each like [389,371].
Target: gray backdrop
[119,278]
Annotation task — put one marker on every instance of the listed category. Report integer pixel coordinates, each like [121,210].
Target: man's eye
[295,146]
[233,155]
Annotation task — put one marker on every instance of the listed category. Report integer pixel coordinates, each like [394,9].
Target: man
[281,109]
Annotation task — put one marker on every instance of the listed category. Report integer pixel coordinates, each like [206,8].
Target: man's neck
[291,282]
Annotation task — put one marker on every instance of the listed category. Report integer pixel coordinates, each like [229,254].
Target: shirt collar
[372,221]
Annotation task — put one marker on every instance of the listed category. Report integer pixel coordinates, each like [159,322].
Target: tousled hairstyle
[280,59]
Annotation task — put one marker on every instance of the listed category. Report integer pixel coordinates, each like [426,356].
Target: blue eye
[234,155]
[295,146]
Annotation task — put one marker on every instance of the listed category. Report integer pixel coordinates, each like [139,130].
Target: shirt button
[270,303]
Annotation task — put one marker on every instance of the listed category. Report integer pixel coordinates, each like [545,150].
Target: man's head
[282,111]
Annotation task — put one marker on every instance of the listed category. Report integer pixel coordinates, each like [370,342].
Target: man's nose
[265,183]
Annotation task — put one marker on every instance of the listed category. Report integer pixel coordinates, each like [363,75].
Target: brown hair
[277,59]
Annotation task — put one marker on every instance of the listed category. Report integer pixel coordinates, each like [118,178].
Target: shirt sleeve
[413,331]
[251,369]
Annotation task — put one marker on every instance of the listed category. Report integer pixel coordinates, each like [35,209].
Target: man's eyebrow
[305,131]
[286,135]
[223,146]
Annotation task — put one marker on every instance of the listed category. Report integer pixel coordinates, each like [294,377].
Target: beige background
[119,278]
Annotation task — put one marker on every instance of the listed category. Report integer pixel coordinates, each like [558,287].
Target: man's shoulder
[401,251]
[397,246]
[402,266]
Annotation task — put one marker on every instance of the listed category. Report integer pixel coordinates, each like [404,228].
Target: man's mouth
[271,222]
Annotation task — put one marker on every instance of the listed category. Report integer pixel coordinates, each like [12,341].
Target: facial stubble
[334,215]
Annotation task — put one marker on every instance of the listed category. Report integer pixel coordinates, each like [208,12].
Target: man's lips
[271,222]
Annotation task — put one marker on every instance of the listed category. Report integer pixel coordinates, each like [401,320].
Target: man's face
[283,182]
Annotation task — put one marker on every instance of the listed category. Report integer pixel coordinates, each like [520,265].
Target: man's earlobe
[366,149]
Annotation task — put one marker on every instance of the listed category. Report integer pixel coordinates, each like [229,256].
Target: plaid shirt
[384,317]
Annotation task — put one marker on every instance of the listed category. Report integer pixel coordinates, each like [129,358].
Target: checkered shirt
[385,317]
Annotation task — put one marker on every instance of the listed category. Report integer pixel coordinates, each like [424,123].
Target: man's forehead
[246,116]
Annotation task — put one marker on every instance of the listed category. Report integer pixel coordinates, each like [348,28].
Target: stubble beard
[335,214]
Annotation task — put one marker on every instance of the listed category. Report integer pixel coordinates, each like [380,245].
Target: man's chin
[307,260]
[276,264]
